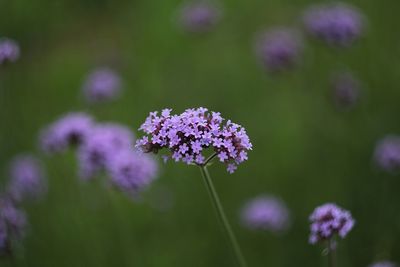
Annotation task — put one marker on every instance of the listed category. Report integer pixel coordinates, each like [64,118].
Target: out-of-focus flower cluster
[346,90]
[9,50]
[279,49]
[266,213]
[336,23]
[383,264]
[12,225]
[101,147]
[199,17]
[189,134]
[329,220]
[387,153]
[101,85]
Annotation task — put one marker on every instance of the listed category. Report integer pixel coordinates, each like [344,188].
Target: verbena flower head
[329,220]
[383,264]
[102,85]
[279,49]
[199,16]
[132,171]
[27,178]
[337,24]
[387,153]
[71,129]
[346,90]
[9,50]
[189,134]
[266,213]
[12,225]
[105,141]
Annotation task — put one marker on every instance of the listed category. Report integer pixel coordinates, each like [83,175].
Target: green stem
[222,217]
[331,253]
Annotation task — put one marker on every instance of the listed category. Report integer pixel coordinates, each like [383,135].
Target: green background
[305,150]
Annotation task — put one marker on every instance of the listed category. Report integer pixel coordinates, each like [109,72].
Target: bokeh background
[306,151]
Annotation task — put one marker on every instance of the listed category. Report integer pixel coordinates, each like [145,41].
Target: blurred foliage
[305,150]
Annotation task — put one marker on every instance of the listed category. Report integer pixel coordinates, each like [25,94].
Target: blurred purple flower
[9,50]
[266,213]
[279,49]
[97,151]
[131,171]
[346,90]
[387,153]
[187,136]
[199,16]
[383,264]
[71,129]
[102,85]
[27,178]
[328,220]
[337,23]
[12,225]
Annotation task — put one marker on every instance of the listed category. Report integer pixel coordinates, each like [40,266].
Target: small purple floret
[279,49]
[189,134]
[27,178]
[387,153]
[102,85]
[9,50]
[70,130]
[337,24]
[266,213]
[199,17]
[329,220]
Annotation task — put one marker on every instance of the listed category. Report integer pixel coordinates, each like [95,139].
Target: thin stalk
[331,253]
[222,217]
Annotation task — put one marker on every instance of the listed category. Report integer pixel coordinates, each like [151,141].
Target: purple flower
[132,171]
[9,50]
[193,131]
[102,85]
[12,225]
[346,90]
[199,16]
[266,213]
[279,49]
[27,178]
[105,141]
[329,220]
[387,153]
[337,24]
[71,129]
[383,264]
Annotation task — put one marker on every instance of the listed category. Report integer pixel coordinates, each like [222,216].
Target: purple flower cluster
[102,85]
[346,90]
[387,153]
[131,172]
[328,220]
[383,264]
[104,147]
[337,24]
[9,50]
[97,151]
[279,49]
[266,213]
[199,16]
[189,134]
[72,129]
[27,178]
[12,225]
